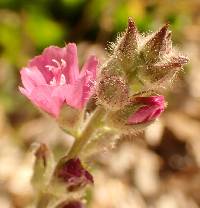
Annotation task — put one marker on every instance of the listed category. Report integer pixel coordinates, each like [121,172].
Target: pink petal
[87,79]
[43,96]
[159,100]
[145,114]
[90,66]
[31,77]
[63,92]
[71,72]
[154,106]
[74,97]
[24,91]
[41,61]
[37,77]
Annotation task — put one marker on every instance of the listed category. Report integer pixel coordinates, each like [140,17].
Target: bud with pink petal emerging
[139,113]
[73,175]
[153,107]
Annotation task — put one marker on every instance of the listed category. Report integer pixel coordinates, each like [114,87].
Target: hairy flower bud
[128,43]
[153,107]
[112,91]
[73,175]
[155,75]
[146,61]
[153,47]
[139,113]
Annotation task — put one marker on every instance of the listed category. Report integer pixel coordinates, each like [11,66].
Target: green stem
[43,200]
[83,139]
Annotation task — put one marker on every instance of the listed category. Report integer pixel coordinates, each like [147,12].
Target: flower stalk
[93,123]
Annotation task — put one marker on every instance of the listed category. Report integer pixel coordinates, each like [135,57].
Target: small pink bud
[73,175]
[139,113]
[153,107]
[53,79]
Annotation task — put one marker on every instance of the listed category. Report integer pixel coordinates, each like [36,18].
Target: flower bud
[146,61]
[153,47]
[139,113]
[73,175]
[128,44]
[71,204]
[112,91]
[43,167]
[155,75]
[153,107]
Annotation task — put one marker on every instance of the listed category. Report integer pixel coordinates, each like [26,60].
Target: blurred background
[155,169]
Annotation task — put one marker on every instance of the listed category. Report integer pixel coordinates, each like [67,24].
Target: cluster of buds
[138,65]
[127,88]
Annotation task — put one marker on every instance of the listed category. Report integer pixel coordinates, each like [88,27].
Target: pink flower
[53,79]
[153,107]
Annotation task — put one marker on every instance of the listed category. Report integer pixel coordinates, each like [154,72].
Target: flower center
[58,76]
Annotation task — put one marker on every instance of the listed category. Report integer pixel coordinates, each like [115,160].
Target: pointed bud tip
[163,30]
[131,25]
[41,151]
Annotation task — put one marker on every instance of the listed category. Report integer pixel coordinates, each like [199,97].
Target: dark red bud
[73,174]
[72,204]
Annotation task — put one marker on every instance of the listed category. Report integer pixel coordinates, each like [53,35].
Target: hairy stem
[83,139]
[80,142]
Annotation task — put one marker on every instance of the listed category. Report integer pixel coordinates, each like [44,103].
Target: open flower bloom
[53,79]
[152,108]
